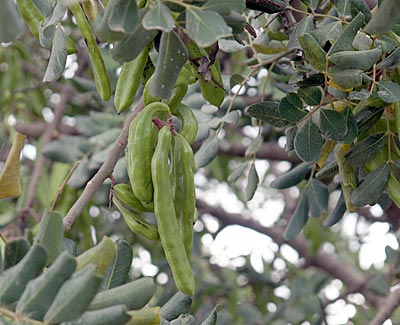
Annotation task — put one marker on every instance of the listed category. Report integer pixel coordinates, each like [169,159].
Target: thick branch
[346,273]
[103,173]
[387,308]
[36,129]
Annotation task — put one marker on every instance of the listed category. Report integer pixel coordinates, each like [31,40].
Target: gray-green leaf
[366,149]
[58,57]
[10,21]
[333,124]
[298,219]
[207,152]
[158,17]
[292,177]
[363,60]
[389,91]
[291,107]
[268,112]
[252,183]
[308,141]
[384,18]
[318,196]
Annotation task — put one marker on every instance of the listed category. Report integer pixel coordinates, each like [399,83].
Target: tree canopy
[281,117]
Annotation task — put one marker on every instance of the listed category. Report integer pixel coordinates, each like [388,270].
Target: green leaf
[225,7]
[392,61]
[176,305]
[329,32]
[10,21]
[207,152]
[291,108]
[74,297]
[379,285]
[146,316]
[337,213]
[237,172]
[366,149]
[158,17]
[372,186]
[292,177]
[317,79]
[116,315]
[345,40]
[123,16]
[268,112]
[40,292]
[236,79]
[298,219]
[254,146]
[50,234]
[318,196]
[184,319]
[58,57]
[205,27]
[315,55]
[117,272]
[305,25]
[359,95]
[389,91]
[311,95]
[367,117]
[343,7]
[14,252]
[134,295]
[308,141]
[352,127]
[333,124]
[172,57]
[346,78]
[212,318]
[363,60]
[14,279]
[383,18]
[252,183]
[66,149]
[100,255]
[361,6]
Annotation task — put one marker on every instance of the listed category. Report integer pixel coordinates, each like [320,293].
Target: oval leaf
[332,124]
[308,142]
[158,17]
[366,149]
[207,152]
[298,219]
[315,54]
[252,183]
[363,60]
[318,196]
[291,107]
[268,112]
[337,213]
[292,177]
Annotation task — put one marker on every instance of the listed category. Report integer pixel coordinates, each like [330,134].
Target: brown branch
[65,96]
[36,129]
[350,276]
[104,172]
[387,308]
[269,150]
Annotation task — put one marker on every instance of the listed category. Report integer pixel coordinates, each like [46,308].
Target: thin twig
[64,183]
[104,172]
[387,308]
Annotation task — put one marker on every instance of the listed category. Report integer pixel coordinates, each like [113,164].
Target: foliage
[321,75]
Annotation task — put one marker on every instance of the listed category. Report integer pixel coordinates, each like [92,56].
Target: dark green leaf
[298,219]
[363,60]
[236,79]
[50,234]
[384,18]
[10,21]
[352,127]
[345,40]
[315,55]
[318,196]
[308,141]
[366,149]
[392,61]
[330,169]
[386,43]
[118,271]
[333,124]
[14,279]
[311,95]
[74,297]
[379,285]
[236,22]
[346,78]
[176,305]
[237,172]
[40,292]
[305,25]
[314,80]
[329,32]
[158,17]
[292,177]
[389,91]
[207,152]
[367,117]
[291,108]
[58,57]
[361,6]
[252,183]
[70,246]
[337,213]
[134,295]
[116,315]
[343,7]
[212,317]
[359,95]
[173,56]
[372,186]
[15,251]
[268,112]
[225,7]
[205,27]
[123,16]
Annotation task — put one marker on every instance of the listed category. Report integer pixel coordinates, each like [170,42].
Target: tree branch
[104,172]
[350,276]
[387,308]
